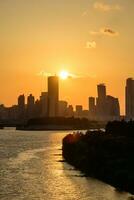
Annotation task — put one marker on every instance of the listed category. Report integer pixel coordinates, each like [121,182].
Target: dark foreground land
[108,156]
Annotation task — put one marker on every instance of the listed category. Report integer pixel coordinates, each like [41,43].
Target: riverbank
[103,155]
[60,123]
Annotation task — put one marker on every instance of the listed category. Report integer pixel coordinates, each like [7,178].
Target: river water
[31,168]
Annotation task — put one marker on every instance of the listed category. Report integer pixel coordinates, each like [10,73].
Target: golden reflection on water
[34,171]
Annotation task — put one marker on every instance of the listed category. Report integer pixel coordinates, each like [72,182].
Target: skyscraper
[62,109]
[79,110]
[70,111]
[101,88]
[30,106]
[129,93]
[92,106]
[112,108]
[101,101]
[53,96]
[21,107]
[44,104]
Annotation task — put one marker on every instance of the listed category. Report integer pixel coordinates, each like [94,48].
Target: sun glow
[63,75]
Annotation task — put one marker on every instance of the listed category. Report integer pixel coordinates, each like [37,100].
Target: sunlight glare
[63,75]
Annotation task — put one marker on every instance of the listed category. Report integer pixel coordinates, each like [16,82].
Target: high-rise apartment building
[44,104]
[129,94]
[53,96]
[21,107]
[30,106]
[101,100]
[62,109]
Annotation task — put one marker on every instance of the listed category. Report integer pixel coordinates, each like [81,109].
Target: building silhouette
[129,98]
[62,109]
[70,111]
[44,104]
[92,107]
[53,96]
[79,111]
[112,108]
[102,108]
[30,106]
[21,107]
[106,107]
[101,101]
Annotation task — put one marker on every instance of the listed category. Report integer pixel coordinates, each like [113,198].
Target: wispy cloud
[106,7]
[105,31]
[43,73]
[78,76]
[91,45]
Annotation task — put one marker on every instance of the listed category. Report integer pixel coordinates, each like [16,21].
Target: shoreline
[101,155]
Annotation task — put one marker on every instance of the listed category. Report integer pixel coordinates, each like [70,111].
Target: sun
[63,74]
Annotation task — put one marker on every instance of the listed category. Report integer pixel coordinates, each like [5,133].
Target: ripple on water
[32,170]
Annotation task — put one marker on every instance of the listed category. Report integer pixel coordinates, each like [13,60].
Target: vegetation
[108,156]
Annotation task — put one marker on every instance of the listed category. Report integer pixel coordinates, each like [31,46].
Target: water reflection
[31,168]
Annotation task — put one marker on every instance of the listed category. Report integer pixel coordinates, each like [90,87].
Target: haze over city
[92,40]
[67,99]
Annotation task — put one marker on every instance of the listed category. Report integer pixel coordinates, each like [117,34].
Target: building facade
[53,96]
[129,98]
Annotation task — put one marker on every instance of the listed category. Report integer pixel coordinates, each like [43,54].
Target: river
[31,168]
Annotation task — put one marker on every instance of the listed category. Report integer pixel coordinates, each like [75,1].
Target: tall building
[101,88]
[101,101]
[112,108]
[129,95]
[30,106]
[62,109]
[79,110]
[70,111]
[92,107]
[53,96]
[44,104]
[21,107]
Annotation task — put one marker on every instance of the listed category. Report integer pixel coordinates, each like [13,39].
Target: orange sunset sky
[91,39]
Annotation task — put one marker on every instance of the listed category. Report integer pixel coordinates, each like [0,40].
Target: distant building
[70,111]
[101,101]
[105,107]
[30,106]
[85,114]
[62,109]
[44,104]
[79,110]
[129,96]
[12,113]
[21,107]
[3,113]
[112,108]
[53,96]
[92,107]
[101,88]
[38,108]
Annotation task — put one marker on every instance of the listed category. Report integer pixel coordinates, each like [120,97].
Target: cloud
[44,73]
[105,31]
[106,7]
[109,32]
[91,45]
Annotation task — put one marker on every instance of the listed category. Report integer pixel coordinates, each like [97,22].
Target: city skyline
[92,39]
[66,75]
[104,107]
[67,99]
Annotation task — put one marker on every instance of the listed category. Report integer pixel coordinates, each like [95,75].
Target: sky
[92,39]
